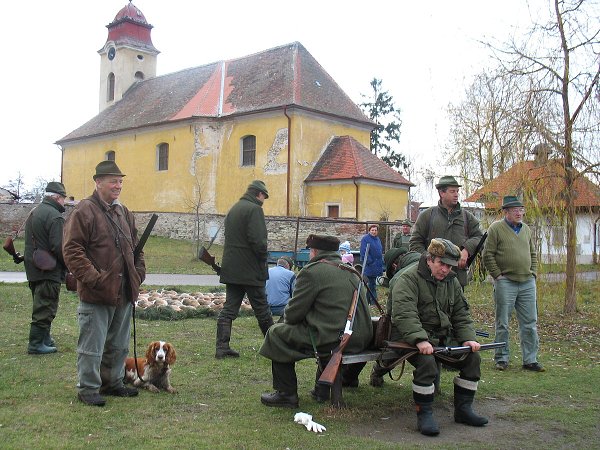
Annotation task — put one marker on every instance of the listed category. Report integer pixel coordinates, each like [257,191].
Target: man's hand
[18,258]
[475,346]
[464,255]
[425,348]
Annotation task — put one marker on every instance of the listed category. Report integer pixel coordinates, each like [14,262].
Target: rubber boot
[36,342]
[425,421]
[321,392]
[463,408]
[223,337]
[376,377]
[265,325]
[48,339]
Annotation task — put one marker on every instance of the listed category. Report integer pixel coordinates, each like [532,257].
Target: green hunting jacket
[45,226]
[424,309]
[460,227]
[245,249]
[320,302]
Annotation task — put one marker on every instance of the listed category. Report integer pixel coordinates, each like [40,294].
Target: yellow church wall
[205,165]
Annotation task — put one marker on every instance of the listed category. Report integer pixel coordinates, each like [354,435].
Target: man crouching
[429,309]
[316,313]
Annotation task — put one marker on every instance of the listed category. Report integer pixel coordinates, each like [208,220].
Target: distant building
[194,139]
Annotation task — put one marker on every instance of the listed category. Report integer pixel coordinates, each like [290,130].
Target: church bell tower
[127,57]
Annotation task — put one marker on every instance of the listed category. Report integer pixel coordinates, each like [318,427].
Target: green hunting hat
[107,168]
[510,201]
[259,186]
[392,255]
[328,243]
[447,180]
[56,188]
[288,260]
[446,250]
[406,222]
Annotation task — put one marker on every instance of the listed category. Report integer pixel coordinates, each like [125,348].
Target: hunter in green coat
[429,309]
[316,313]
[244,268]
[448,220]
[44,231]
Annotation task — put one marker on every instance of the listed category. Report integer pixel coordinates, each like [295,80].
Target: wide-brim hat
[448,252]
[328,243]
[56,188]
[511,201]
[259,186]
[392,255]
[446,181]
[107,168]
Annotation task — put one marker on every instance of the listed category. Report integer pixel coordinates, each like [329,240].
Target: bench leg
[336,392]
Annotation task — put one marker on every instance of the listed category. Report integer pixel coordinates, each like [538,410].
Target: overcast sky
[425,52]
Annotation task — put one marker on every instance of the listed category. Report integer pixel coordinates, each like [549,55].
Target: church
[192,141]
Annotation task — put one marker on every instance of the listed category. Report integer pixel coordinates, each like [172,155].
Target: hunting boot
[425,421]
[223,337]
[463,411]
[321,392]
[36,342]
[265,325]
[377,373]
[48,339]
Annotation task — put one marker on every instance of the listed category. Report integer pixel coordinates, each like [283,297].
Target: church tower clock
[128,56]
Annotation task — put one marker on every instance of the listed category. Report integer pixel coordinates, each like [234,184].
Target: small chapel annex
[194,139]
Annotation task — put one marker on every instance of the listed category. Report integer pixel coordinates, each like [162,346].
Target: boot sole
[464,421]
[280,405]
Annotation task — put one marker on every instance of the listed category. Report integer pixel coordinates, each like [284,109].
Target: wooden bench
[336,397]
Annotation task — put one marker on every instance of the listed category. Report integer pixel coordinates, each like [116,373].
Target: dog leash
[137,370]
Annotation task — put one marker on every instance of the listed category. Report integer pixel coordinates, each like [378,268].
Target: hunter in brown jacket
[99,239]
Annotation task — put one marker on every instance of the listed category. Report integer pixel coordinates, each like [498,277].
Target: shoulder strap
[430,230]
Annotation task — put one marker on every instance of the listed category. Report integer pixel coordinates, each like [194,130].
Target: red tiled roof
[282,76]
[345,158]
[546,181]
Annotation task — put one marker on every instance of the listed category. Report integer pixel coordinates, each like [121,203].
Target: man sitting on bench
[429,309]
[313,320]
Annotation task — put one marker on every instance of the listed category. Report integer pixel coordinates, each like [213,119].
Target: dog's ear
[171,354]
[151,351]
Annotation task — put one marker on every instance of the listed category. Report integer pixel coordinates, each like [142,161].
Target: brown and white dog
[154,369]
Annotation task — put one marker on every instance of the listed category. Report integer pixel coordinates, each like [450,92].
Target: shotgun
[333,366]
[140,245]
[206,257]
[472,257]
[448,351]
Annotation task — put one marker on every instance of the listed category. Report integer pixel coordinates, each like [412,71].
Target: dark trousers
[234,294]
[284,377]
[45,302]
[426,368]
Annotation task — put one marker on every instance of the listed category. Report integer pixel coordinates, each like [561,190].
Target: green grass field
[218,405]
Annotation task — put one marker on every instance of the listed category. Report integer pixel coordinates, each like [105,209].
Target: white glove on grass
[306,420]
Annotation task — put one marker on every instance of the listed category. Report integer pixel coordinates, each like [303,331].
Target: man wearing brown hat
[99,240]
[511,259]
[450,221]
[429,309]
[313,320]
[43,237]
[244,268]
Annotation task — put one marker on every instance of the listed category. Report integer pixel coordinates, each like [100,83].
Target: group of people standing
[426,268]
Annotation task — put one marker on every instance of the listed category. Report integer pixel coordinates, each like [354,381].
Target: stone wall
[284,232]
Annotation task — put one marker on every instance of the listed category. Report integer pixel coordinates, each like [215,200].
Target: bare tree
[559,61]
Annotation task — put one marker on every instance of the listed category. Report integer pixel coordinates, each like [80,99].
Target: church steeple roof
[130,28]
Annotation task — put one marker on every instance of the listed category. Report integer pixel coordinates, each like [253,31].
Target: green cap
[288,260]
[107,168]
[446,181]
[406,222]
[446,250]
[56,188]
[510,201]
[392,255]
[259,186]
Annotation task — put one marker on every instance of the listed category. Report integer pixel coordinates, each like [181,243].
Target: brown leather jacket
[99,252]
